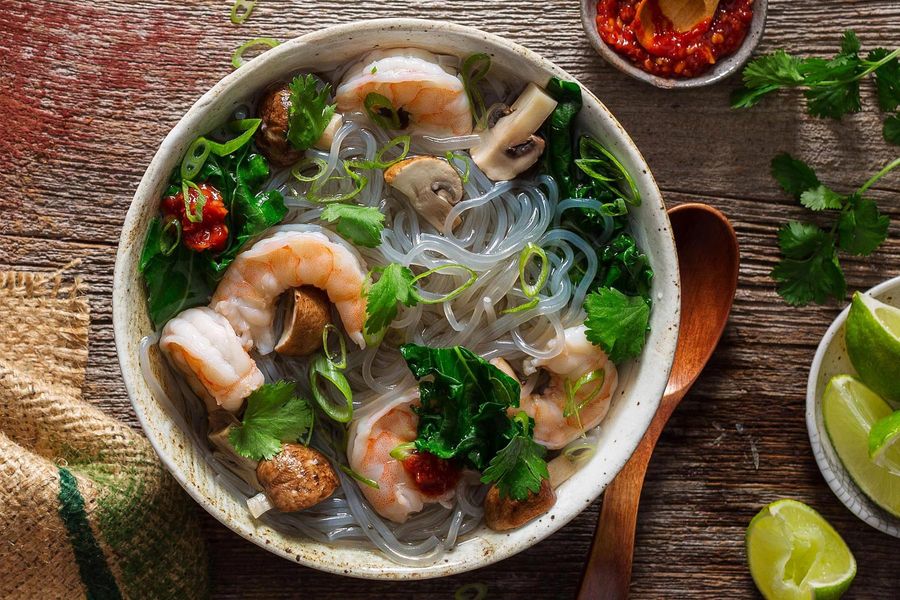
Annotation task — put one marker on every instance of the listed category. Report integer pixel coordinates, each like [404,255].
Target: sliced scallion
[450,295]
[382,112]
[340,364]
[464,175]
[531,290]
[171,230]
[320,163]
[600,164]
[402,451]
[360,182]
[572,406]
[580,451]
[473,70]
[247,126]
[321,367]
[194,215]
[364,480]
[194,158]
[471,591]
[237,59]
[240,10]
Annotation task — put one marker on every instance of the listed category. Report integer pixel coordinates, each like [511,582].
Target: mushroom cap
[502,514]
[430,184]
[308,314]
[271,138]
[297,478]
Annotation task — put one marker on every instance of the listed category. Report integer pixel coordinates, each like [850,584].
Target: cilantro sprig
[362,225]
[831,86]
[310,111]
[519,467]
[809,270]
[616,323]
[274,414]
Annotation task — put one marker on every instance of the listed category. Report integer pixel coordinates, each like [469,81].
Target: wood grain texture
[88,90]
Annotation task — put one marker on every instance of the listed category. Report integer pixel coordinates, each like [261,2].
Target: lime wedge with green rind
[794,554]
[884,443]
[873,343]
[850,411]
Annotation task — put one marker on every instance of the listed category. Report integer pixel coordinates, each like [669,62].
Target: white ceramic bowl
[641,383]
[721,70]
[831,359]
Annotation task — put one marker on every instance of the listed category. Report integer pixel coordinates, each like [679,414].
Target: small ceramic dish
[831,359]
[641,382]
[723,69]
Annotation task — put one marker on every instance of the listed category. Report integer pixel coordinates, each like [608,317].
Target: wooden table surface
[88,91]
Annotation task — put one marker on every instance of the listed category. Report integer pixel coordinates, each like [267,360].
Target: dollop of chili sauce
[432,475]
[672,53]
[208,233]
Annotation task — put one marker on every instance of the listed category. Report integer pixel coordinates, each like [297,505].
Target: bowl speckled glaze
[721,70]
[641,383]
[831,359]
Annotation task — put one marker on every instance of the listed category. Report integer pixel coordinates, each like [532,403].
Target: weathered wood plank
[89,90]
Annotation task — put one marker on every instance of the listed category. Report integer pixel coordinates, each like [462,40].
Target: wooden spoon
[708,259]
[684,15]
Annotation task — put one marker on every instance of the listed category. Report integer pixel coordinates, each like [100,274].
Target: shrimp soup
[393,298]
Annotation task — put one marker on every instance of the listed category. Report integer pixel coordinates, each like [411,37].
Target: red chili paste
[433,476]
[209,233]
[672,53]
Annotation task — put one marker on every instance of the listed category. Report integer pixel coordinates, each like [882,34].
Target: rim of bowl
[722,70]
[330,558]
[851,496]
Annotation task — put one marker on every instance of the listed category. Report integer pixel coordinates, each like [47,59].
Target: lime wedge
[884,443]
[794,553]
[850,411]
[873,343]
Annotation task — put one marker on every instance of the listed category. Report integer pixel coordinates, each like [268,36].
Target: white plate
[831,359]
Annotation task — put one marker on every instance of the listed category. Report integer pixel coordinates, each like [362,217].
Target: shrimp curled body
[203,346]
[370,441]
[433,99]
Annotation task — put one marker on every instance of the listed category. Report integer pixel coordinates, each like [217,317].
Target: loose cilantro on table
[462,416]
[809,270]
[274,414]
[831,86]
[616,322]
[361,224]
[310,112]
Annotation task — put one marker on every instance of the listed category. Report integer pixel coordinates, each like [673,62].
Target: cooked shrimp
[370,441]
[248,293]
[578,358]
[433,99]
[203,346]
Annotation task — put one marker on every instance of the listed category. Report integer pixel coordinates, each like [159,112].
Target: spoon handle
[607,573]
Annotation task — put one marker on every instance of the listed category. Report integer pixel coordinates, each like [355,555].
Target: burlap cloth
[86,510]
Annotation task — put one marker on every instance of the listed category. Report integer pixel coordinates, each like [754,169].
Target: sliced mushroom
[220,424]
[297,478]
[502,514]
[309,311]
[510,147]
[431,185]
[324,141]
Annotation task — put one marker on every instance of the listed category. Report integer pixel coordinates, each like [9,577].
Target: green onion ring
[464,175]
[473,70]
[168,250]
[572,390]
[321,367]
[402,451]
[247,5]
[533,250]
[194,158]
[195,216]
[471,591]
[361,182]
[237,59]
[364,480]
[451,295]
[248,126]
[342,363]
[585,145]
[381,111]
[520,308]
[580,451]
[301,166]
[378,162]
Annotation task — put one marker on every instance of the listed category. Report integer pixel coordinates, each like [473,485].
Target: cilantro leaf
[395,285]
[274,414]
[745,97]
[850,44]
[834,100]
[821,198]
[862,229]
[891,130]
[309,113]
[362,225]
[778,68]
[887,79]
[519,467]
[809,271]
[616,323]
[793,175]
